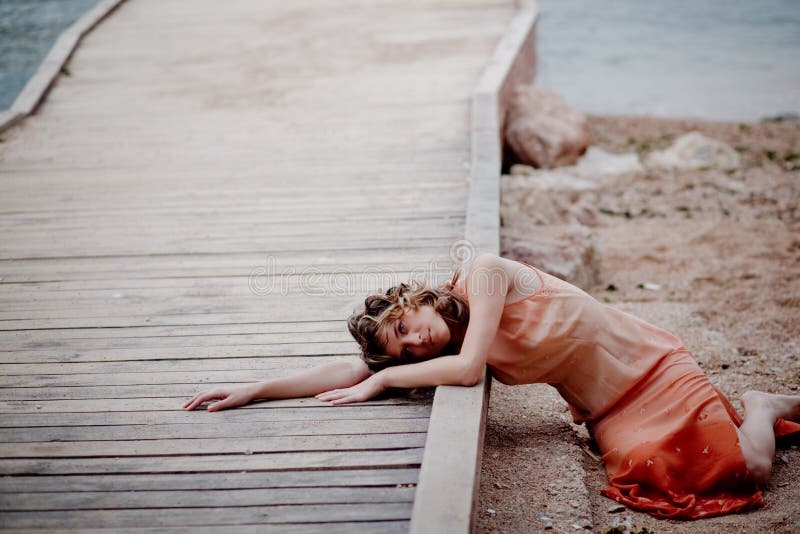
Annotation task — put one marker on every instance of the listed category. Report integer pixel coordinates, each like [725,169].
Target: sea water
[713,59]
[28,29]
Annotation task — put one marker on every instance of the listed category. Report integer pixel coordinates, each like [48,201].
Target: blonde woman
[673,445]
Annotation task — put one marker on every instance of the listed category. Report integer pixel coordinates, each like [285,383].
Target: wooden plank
[168,517]
[284,461]
[198,417]
[242,445]
[367,527]
[165,367]
[199,351]
[153,404]
[210,481]
[143,500]
[44,343]
[221,427]
[312,327]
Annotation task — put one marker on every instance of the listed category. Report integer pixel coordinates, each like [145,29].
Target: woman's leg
[756,435]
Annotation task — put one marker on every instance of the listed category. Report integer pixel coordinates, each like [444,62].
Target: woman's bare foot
[778,406]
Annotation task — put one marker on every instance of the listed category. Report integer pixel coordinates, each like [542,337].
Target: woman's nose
[415,338]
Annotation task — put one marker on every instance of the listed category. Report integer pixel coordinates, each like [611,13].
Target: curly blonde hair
[368,325]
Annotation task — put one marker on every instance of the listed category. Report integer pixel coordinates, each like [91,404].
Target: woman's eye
[401,328]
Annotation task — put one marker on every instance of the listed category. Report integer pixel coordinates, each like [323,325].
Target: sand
[724,243]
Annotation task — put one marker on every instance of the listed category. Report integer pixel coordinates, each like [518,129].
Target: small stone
[694,151]
[498,485]
[491,511]
[614,508]
[775,369]
[248,452]
[543,518]
[649,286]
[784,459]
[574,504]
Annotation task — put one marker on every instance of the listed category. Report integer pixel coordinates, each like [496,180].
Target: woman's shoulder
[515,279]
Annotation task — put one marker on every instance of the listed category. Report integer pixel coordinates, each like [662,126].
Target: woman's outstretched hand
[228,398]
[363,391]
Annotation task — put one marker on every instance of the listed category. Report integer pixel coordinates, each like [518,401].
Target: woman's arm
[490,281]
[306,383]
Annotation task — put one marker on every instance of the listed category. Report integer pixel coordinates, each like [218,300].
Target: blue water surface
[715,59]
[28,29]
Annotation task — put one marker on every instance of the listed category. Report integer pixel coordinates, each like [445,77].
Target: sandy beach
[725,243]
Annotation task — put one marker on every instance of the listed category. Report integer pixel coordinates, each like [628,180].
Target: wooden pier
[203,201]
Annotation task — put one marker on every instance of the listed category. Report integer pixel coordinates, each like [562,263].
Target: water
[28,29]
[713,59]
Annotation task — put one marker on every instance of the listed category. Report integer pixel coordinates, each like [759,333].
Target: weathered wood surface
[203,201]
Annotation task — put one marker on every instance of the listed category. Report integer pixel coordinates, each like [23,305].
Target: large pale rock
[566,194]
[543,131]
[568,252]
[694,151]
[524,203]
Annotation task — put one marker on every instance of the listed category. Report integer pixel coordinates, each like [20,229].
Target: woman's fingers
[339,396]
[332,395]
[200,398]
[228,402]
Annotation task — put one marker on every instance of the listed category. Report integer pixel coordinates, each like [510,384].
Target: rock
[567,252]
[524,202]
[609,170]
[567,194]
[650,286]
[543,130]
[694,151]
[615,508]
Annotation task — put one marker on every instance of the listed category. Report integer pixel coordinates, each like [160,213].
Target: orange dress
[667,435]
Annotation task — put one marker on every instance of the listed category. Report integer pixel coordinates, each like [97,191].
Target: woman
[673,445]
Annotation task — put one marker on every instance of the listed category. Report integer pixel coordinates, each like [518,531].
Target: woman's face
[418,334]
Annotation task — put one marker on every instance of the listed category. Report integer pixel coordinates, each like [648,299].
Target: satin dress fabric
[667,435]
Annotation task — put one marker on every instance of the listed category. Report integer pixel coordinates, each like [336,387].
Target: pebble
[574,504]
[543,518]
[248,452]
[491,511]
[650,286]
[784,459]
[498,485]
[614,508]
